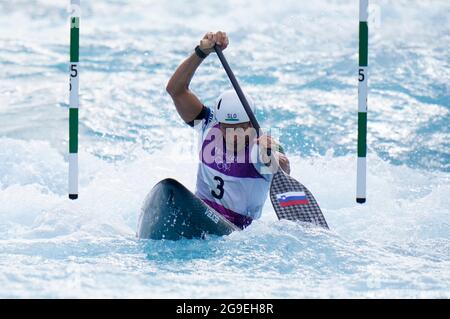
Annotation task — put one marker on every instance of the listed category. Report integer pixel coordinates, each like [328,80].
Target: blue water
[299,63]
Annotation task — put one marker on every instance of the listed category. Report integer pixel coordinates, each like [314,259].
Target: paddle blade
[293,201]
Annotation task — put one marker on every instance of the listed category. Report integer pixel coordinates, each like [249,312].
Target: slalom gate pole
[74,97]
[362,102]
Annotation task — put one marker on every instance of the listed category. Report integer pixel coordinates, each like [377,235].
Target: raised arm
[186,102]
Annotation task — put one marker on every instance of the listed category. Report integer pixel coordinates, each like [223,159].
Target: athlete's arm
[186,102]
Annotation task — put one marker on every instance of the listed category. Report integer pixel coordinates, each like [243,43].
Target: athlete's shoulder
[205,117]
[209,120]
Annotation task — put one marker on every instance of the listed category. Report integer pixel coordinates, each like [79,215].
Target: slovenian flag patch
[292,198]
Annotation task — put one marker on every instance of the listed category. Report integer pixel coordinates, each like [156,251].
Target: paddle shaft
[238,89]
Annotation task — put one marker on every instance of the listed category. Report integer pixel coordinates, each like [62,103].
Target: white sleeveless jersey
[233,186]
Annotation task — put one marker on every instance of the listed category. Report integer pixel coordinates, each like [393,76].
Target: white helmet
[230,110]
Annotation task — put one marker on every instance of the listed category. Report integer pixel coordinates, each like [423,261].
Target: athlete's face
[245,126]
[235,134]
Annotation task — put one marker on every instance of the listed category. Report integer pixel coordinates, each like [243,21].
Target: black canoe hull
[170,211]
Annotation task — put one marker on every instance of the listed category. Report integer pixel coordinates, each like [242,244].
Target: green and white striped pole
[362,102]
[74,98]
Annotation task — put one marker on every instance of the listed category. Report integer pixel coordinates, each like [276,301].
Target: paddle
[290,199]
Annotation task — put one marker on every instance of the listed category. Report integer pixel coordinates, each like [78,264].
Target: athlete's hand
[266,143]
[211,38]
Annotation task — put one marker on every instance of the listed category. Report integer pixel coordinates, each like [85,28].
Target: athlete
[236,167]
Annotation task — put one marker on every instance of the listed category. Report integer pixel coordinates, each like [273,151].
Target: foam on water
[298,61]
[395,246]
